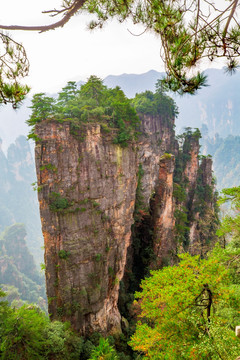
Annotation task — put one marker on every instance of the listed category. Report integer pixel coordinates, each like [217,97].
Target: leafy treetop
[93,102]
[155,103]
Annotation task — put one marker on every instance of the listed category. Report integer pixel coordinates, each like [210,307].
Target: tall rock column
[204,222]
[87,194]
[163,213]
[191,149]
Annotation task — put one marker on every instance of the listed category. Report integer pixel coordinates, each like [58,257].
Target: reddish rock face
[158,138]
[87,195]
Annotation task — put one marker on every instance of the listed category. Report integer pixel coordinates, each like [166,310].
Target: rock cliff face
[90,193]
[196,213]
[163,212]
[87,202]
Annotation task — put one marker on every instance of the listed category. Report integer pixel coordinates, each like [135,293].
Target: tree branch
[228,23]
[230,17]
[76,6]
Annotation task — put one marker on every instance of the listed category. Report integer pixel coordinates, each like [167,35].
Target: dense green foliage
[27,334]
[57,202]
[189,311]
[92,103]
[155,103]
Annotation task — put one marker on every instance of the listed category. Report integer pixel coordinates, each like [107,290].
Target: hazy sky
[73,52]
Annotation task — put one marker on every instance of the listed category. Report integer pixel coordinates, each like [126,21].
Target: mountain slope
[18,201]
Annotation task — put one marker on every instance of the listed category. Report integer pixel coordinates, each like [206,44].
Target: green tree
[186,310]
[190,30]
[68,93]
[42,107]
[94,89]
[104,351]
[230,224]
[156,103]
[14,66]
[23,334]
[27,334]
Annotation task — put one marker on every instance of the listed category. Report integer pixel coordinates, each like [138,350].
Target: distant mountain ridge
[134,83]
[216,105]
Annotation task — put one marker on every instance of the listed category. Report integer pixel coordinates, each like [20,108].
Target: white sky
[73,52]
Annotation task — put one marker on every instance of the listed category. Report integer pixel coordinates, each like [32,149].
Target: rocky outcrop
[91,191]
